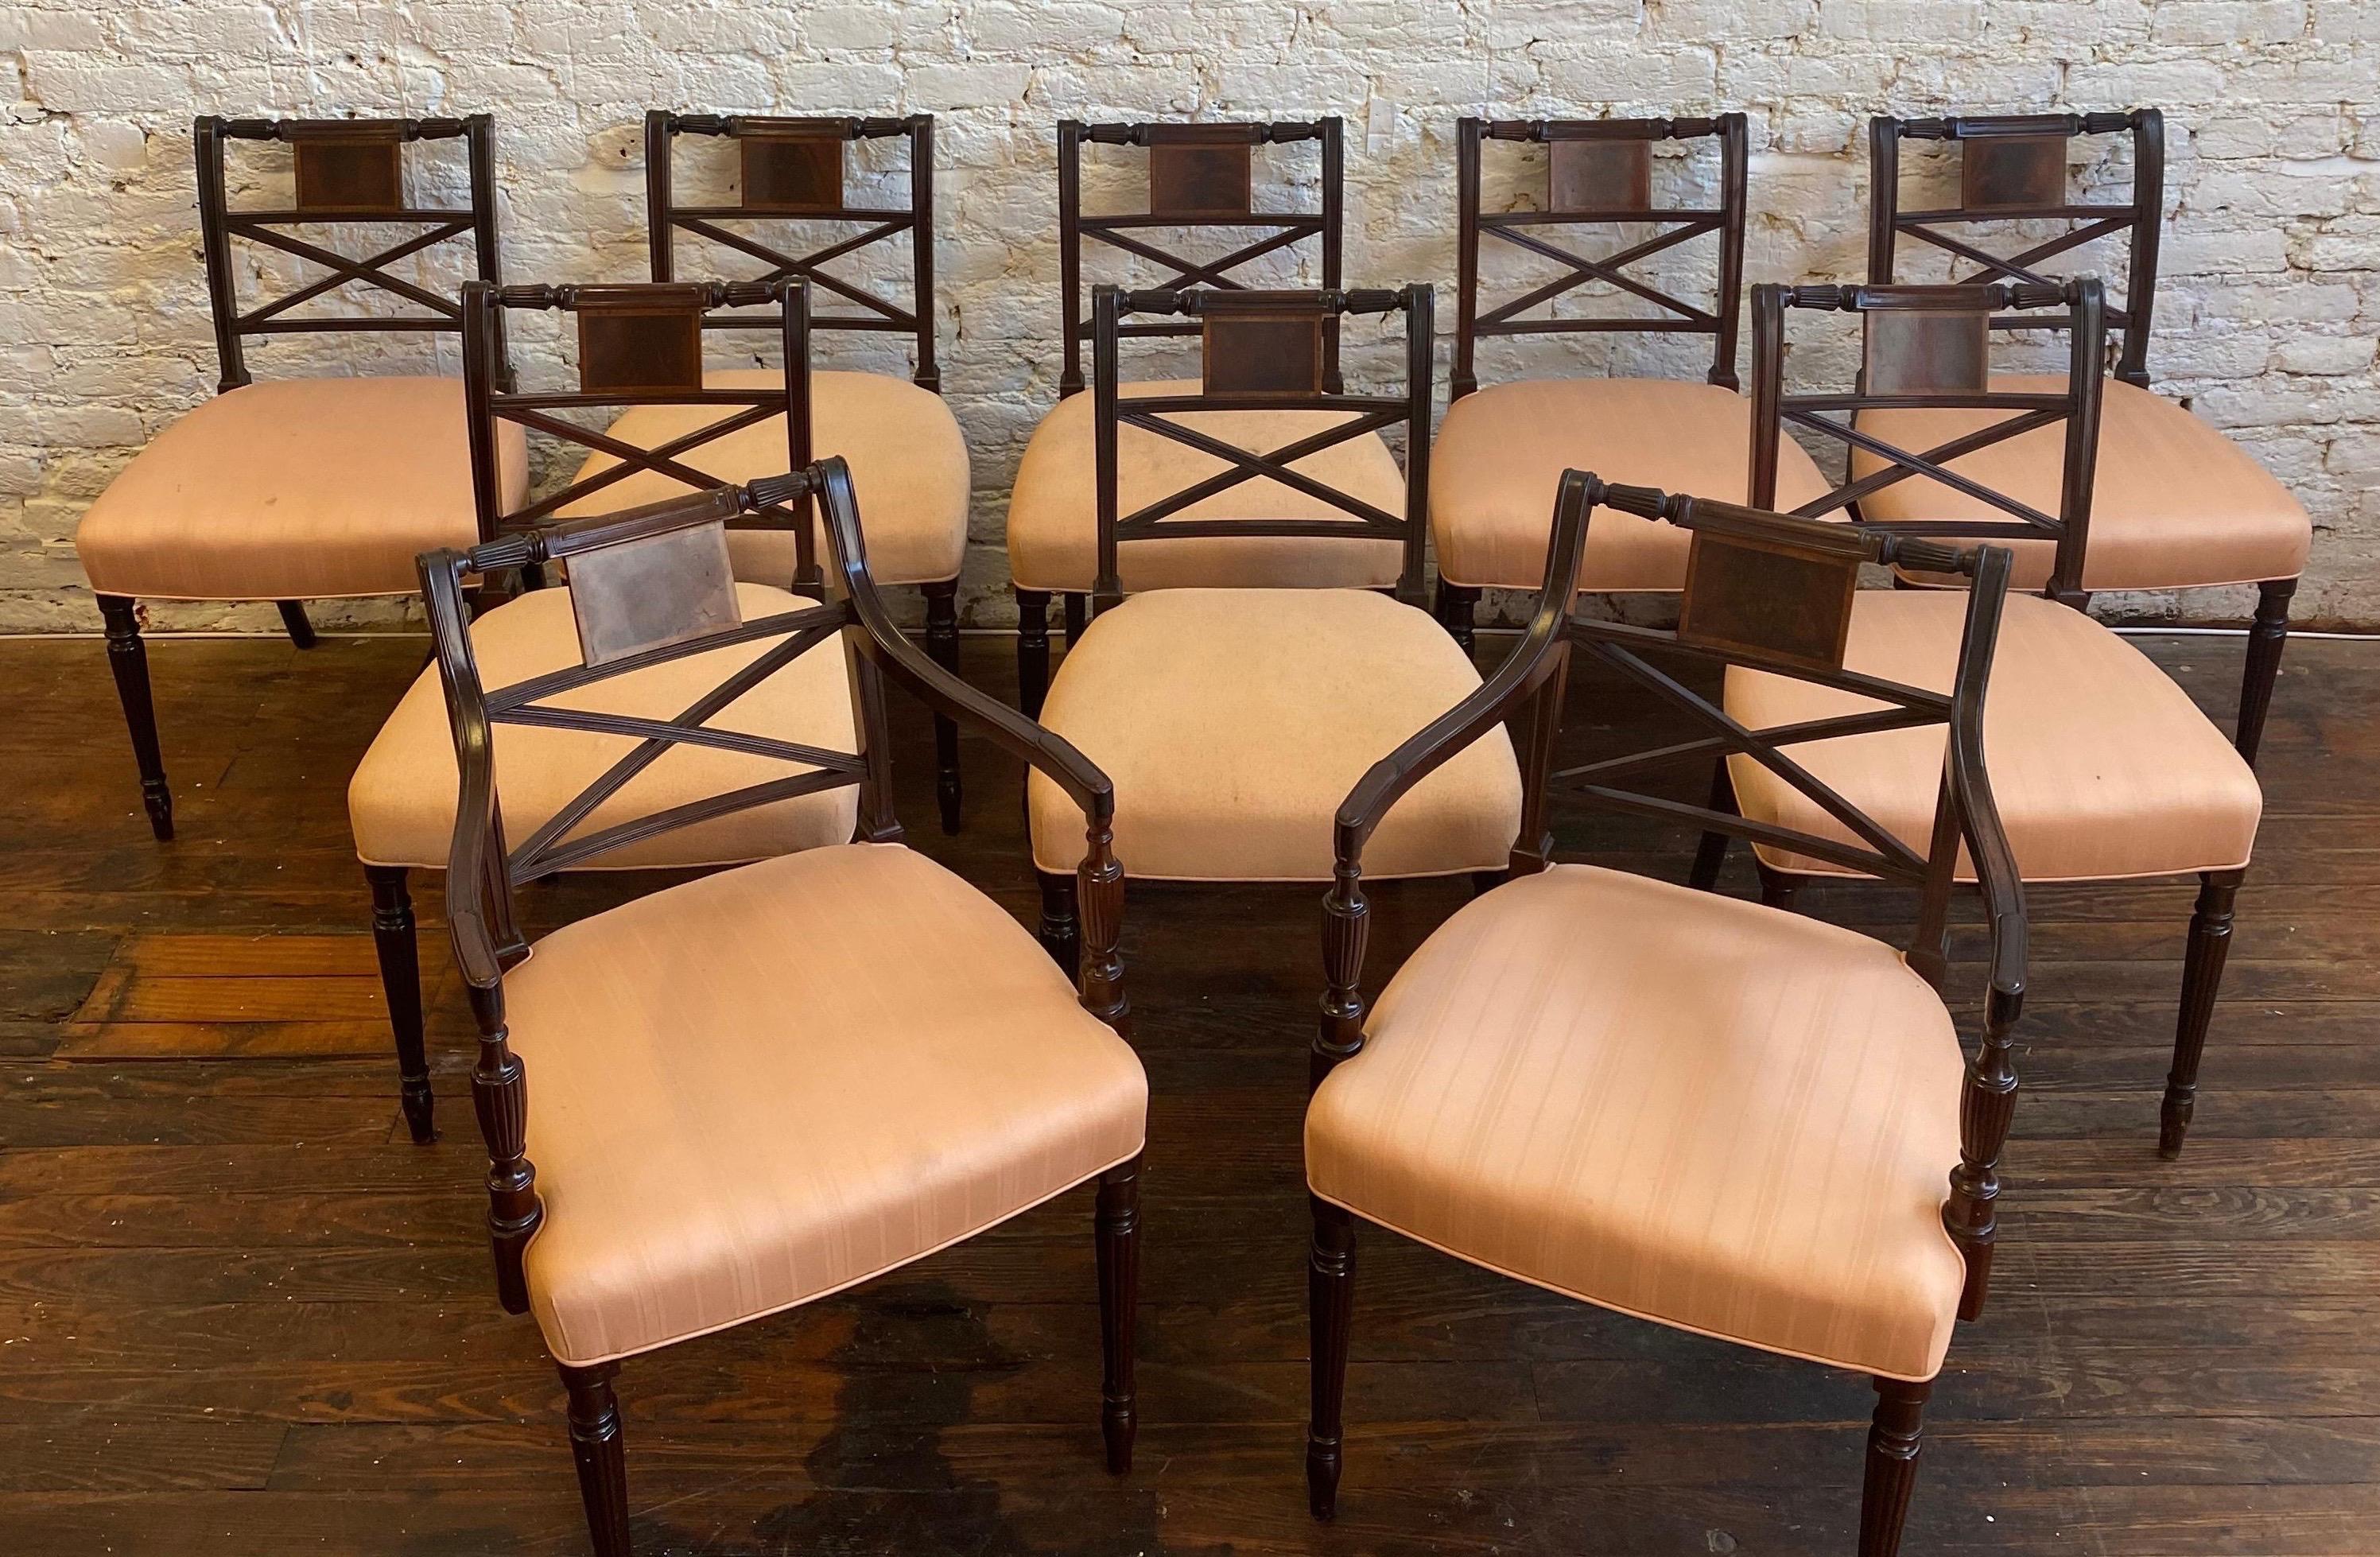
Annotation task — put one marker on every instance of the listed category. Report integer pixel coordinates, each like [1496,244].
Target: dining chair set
[826,1057]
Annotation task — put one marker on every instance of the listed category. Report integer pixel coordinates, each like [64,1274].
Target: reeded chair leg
[1032,651]
[1078,616]
[1456,612]
[1331,1305]
[596,1445]
[1117,1226]
[129,658]
[2201,977]
[2268,636]
[1893,1445]
[293,618]
[942,644]
[400,979]
[1778,890]
[1061,927]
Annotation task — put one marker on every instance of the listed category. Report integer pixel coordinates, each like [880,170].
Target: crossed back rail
[1767,592]
[350,173]
[1260,351]
[1929,348]
[795,173]
[650,586]
[1600,173]
[2013,169]
[639,343]
[1200,176]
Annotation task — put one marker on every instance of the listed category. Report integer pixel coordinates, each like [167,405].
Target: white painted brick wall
[2267,318]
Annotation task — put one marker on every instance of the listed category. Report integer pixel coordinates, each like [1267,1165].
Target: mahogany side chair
[770,1084]
[637,345]
[1233,720]
[2106,769]
[1200,180]
[2175,504]
[1706,1112]
[1501,449]
[312,488]
[789,177]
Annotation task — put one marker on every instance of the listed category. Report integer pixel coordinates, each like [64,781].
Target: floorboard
[241,1313]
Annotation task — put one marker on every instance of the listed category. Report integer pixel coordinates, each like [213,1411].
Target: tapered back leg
[2268,636]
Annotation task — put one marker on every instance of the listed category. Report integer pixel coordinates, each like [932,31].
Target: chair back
[1260,351]
[2013,179]
[348,173]
[638,344]
[1929,348]
[795,173]
[1600,172]
[1200,176]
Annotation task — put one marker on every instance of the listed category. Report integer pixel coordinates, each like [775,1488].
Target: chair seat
[1723,1117]
[2101,767]
[908,463]
[1234,722]
[1501,450]
[401,802]
[299,489]
[2175,503]
[766,1085]
[1054,511]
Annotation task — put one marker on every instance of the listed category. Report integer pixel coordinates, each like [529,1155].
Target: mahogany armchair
[312,488]
[1200,180]
[2106,769]
[1698,1111]
[770,1084]
[1501,449]
[637,346]
[1231,719]
[2176,504]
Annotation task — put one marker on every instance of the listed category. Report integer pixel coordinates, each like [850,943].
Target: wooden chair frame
[1527,693]
[667,218]
[1205,150]
[351,171]
[1215,312]
[2211,919]
[484,872]
[2028,154]
[351,174]
[809,145]
[2078,409]
[1630,140]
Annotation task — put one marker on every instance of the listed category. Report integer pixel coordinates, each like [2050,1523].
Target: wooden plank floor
[239,1313]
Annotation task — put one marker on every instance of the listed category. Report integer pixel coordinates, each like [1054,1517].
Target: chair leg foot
[1061,926]
[1032,649]
[395,940]
[293,618]
[2268,636]
[1894,1443]
[2201,977]
[595,1444]
[1117,1224]
[1078,616]
[1330,1303]
[1456,613]
[942,645]
[127,657]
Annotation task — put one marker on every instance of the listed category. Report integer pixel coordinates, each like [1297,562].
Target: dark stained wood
[243,1316]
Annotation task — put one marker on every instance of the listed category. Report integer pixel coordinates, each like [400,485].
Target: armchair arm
[1533,677]
[1099,878]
